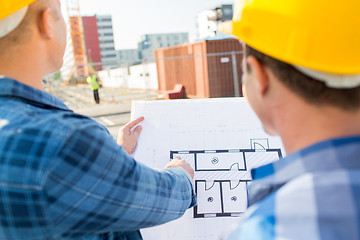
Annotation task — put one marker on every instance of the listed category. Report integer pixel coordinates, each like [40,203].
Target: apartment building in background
[128,57]
[92,44]
[150,42]
[106,41]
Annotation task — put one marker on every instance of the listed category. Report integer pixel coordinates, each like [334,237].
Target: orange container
[204,68]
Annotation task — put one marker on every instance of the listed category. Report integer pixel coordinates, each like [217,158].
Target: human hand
[179,163]
[128,139]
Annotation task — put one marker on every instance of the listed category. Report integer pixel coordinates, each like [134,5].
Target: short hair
[19,35]
[311,90]
[22,33]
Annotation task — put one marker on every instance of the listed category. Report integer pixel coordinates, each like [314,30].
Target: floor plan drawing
[221,176]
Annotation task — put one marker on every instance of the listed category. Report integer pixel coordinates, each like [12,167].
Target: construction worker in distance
[302,78]
[92,81]
[62,175]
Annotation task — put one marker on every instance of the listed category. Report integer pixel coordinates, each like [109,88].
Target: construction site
[243,129]
[208,68]
[204,69]
[76,49]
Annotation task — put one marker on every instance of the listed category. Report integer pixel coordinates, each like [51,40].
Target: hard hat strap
[338,81]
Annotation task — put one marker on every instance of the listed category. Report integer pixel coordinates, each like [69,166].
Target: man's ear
[260,74]
[46,24]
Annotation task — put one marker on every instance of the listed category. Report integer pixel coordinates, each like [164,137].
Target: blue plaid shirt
[312,194]
[62,176]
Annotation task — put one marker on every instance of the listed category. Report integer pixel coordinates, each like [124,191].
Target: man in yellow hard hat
[302,78]
[62,176]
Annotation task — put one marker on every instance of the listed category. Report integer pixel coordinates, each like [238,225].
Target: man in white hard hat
[302,78]
[62,176]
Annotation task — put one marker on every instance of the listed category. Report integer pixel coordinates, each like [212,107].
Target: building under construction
[79,69]
[88,50]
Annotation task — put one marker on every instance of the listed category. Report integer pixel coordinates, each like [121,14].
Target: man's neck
[25,68]
[305,125]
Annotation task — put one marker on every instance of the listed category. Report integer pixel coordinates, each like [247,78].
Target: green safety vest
[93,83]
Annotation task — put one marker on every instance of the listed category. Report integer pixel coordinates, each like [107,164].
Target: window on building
[105,27]
[107,49]
[104,19]
[108,56]
[107,41]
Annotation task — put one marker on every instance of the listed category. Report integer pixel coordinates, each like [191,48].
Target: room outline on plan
[222,176]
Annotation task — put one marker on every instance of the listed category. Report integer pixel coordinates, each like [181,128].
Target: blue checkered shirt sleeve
[311,194]
[93,187]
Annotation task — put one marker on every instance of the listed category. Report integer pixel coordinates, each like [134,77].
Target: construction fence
[203,76]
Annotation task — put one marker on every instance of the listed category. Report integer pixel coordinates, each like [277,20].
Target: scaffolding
[80,70]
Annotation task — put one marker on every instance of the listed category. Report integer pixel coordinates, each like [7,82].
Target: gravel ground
[80,96]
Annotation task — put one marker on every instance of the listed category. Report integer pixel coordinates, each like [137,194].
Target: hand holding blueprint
[222,139]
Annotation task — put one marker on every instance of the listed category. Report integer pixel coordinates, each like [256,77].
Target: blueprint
[222,139]
[221,176]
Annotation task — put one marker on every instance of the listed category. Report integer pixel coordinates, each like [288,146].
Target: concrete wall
[142,76]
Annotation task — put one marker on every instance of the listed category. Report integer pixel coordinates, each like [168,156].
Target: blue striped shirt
[311,194]
[62,176]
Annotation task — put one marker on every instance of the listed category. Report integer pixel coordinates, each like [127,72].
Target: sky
[133,18]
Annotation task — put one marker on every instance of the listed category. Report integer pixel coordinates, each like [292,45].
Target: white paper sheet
[222,139]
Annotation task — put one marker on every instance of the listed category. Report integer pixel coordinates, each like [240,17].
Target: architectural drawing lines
[222,176]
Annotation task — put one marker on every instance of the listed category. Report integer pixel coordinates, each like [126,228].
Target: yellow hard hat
[11,15]
[9,7]
[321,35]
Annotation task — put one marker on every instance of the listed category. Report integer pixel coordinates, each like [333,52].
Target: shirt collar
[12,88]
[327,155]
[335,154]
